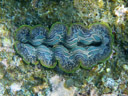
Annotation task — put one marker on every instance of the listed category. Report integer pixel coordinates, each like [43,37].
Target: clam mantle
[70,48]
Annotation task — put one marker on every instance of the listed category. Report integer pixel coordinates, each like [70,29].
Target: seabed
[109,78]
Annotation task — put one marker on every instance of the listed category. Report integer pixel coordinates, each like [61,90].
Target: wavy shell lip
[27,52]
[38,35]
[45,56]
[22,33]
[69,48]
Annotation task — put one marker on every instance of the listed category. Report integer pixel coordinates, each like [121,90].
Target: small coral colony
[68,47]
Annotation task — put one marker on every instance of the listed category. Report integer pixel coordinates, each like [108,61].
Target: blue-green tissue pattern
[70,47]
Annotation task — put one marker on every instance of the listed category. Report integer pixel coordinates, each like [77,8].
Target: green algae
[13,15]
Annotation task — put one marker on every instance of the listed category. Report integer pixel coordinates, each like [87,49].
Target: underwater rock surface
[70,48]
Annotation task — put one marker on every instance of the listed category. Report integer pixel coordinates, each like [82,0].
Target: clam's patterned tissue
[69,47]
